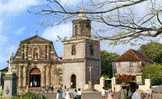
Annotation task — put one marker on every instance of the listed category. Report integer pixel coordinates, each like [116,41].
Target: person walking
[58,95]
[110,95]
[103,93]
[67,94]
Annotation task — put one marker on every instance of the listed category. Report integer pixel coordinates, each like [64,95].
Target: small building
[130,64]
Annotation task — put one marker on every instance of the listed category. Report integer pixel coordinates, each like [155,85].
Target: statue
[10,88]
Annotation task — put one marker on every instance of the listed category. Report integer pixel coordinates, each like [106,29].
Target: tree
[153,72]
[117,15]
[153,50]
[106,62]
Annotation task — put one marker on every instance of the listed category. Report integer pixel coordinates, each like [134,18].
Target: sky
[17,22]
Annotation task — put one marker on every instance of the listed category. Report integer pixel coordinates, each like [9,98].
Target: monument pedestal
[90,87]
[10,88]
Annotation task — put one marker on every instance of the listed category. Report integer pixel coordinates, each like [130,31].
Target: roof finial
[82,14]
[82,6]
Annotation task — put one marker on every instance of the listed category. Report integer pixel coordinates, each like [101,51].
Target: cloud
[52,33]
[9,9]
[62,30]
[20,31]
[14,6]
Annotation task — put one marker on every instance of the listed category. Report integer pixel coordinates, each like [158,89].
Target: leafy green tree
[153,50]
[106,62]
[153,72]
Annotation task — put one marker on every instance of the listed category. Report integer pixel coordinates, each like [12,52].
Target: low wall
[157,96]
[91,95]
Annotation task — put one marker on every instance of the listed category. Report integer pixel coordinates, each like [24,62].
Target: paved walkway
[97,95]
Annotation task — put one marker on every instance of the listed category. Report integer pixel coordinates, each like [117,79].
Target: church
[37,65]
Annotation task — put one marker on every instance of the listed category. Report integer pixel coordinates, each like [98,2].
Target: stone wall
[130,68]
[77,69]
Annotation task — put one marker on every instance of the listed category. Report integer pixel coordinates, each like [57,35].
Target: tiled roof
[133,55]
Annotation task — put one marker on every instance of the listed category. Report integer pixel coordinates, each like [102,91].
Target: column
[43,77]
[53,76]
[19,76]
[47,51]
[24,76]
[27,75]
[47,76]
[24,51]
[50,74]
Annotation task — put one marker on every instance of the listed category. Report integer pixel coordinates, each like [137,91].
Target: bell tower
[81,59]
[81,26]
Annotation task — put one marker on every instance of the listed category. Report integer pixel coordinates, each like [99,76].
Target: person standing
[79,94]
[129,93]
[62,93]
[123,93]
[137,94]
[110,94]
[67,94]
[75,94]
[103,93]
[58,95]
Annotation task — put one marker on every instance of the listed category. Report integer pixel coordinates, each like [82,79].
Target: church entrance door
[73,81]
[35,78]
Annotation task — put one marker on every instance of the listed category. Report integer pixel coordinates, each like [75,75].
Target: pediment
[36,39]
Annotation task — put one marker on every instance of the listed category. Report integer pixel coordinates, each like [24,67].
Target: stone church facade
[38,66]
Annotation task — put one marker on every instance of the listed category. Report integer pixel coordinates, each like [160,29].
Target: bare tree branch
[49,11]
[149,24]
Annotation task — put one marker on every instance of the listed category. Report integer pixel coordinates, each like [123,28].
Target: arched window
[76,29]
[91,49]
[73,50]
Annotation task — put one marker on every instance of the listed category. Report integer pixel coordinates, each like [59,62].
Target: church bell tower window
[73,50]
[91,49]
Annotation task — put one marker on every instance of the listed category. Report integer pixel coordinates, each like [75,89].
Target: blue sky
[16,24]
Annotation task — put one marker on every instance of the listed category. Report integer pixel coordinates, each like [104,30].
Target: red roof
[133,55]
